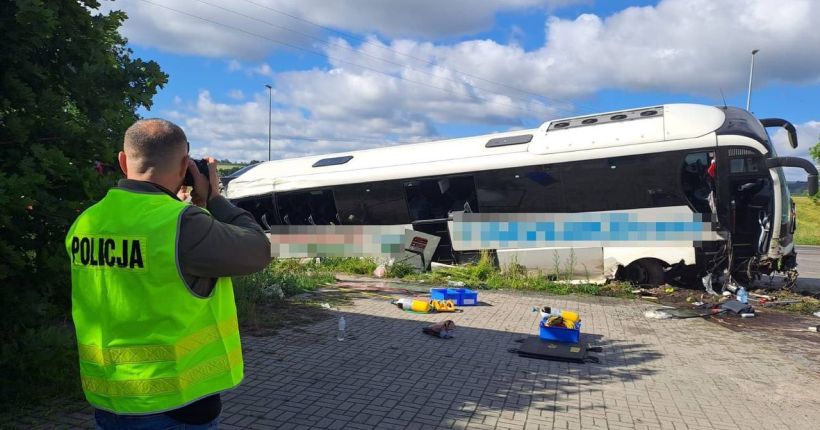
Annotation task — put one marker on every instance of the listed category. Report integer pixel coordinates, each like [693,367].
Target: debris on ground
[326,305]
[682,313]
[737,307]
[437,266]
[380,271]
[657,314]
[443,330]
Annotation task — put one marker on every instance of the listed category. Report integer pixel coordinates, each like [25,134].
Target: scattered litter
[698,303]
[742,295]
[747,315]
[736,307]
[658,314]
[690,299]
[456,284]
[380,271]
[436,266]
[670,290]
[766,303]
[817,314]
[340,335]
[443,330]
[814,329]
[326,305]
[682,313]
[727,294]
[274,290]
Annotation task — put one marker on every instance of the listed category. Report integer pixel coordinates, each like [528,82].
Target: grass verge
[482,274]
[808,222]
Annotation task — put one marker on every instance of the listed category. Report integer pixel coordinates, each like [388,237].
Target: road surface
[808,265]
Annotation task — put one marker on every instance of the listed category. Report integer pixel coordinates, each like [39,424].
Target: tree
[69,89]
[814,152]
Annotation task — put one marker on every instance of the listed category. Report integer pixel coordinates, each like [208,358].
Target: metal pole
[751,74]
[270,113]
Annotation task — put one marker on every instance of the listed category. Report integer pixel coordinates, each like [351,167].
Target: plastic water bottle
[742,295]
[341,333]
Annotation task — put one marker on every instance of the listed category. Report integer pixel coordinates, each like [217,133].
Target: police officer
[152,298]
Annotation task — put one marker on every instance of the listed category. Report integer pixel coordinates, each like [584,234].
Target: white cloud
[692,46]
[155,26]
[236,94]
[808,135]
[240,131]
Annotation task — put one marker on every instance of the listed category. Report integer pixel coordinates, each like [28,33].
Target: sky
[359,74]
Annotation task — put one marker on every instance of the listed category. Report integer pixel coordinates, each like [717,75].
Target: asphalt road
[808,266]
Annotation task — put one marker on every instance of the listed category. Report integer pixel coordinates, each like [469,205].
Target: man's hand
[184,194]
[204,189]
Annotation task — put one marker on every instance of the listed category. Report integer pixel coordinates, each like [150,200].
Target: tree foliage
[814,152]
[69,88]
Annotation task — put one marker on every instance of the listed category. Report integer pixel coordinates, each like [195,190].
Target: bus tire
[646,272]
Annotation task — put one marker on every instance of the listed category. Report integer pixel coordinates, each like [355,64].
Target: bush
[283,279]
[69,89]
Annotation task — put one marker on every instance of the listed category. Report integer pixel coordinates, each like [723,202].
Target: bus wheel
[645,272]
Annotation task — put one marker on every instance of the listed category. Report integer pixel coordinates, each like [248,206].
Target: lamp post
[270,113]
[751,74]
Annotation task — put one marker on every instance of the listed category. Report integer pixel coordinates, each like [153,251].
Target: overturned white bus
[678,157]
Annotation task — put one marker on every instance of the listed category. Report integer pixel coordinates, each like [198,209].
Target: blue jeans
[108,421]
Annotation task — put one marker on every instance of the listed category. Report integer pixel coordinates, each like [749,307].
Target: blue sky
[594,56]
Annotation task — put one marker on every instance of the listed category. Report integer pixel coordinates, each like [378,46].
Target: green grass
[808,222]
[261,297]
[482,274]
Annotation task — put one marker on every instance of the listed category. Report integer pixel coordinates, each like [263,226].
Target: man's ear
[184,166]
[122,159]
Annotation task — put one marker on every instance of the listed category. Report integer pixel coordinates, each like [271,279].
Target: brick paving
[654,374]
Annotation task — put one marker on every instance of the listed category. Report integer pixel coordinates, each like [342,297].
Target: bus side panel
[580,263]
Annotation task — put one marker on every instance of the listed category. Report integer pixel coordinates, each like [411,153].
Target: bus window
[376,203]
[531,189]
[315,207]
[261,208]
[429,199]
[743,165]
[621,183]
[696,182]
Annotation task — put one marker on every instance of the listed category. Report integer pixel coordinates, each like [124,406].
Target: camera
[202,166]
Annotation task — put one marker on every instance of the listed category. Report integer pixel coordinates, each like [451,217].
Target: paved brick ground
[654,374]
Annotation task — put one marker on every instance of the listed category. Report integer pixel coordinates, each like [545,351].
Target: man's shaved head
[155,145]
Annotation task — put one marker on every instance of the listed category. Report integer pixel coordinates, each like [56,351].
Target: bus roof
[577,138]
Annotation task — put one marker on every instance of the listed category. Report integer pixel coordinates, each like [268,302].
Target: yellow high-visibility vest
[147,343]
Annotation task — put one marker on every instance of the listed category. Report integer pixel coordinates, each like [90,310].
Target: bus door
[431,203]
[746,193]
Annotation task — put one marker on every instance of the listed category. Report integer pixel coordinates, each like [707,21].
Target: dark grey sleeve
[229,243]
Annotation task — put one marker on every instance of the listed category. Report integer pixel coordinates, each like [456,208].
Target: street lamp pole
[270,113]
[751,74]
